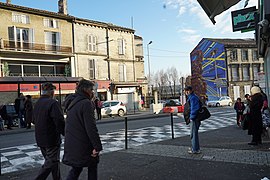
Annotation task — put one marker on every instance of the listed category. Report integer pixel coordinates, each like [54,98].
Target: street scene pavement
[153,154]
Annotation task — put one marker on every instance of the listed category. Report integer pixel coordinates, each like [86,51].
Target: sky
[175,27]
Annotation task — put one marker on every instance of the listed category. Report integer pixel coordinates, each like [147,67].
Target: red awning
[215,7]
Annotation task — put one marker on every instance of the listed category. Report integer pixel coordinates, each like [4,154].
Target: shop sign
[244,19]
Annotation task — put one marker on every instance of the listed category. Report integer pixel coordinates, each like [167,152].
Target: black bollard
[172,125]
[126,145]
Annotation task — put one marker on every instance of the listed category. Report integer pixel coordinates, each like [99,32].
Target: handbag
[203,114]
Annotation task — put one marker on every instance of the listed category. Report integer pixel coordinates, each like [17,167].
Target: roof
[61,16]
[43,79]
[235,43]
[34,11]
[231,43]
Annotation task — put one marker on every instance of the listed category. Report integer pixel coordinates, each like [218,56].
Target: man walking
[49,125]
[82,141]
[194,106]
[20,109]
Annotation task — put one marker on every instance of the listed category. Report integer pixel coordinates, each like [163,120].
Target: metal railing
[34,47]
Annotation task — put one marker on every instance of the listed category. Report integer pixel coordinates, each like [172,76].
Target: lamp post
[149,85]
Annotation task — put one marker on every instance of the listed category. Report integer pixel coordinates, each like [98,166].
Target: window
[122,72]
[235,73]
[52,40]
[47,70]
[255,55]
[121,46]
[234,55]
[244,55]
[20,38]
[30,70]
[247,89]
[246,73]
[50,23]
[92,69]
[20,18]
[92,43]
[255,72]
[15,70]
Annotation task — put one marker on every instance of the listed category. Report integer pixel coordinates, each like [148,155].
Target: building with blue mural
[224,67]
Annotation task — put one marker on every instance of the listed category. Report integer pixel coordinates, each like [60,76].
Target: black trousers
[98,113]
[75,172]
[51,164]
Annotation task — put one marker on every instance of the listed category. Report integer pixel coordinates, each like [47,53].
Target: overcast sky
[174,26]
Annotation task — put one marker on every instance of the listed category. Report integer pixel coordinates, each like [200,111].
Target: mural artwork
[208,67]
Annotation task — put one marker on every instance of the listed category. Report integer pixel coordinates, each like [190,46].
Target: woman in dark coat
[82,141]
[28,111]
[256,125]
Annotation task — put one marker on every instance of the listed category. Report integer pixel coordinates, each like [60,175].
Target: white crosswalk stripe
[28,156]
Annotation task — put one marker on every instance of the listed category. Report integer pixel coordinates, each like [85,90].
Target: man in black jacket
[49,125]
[82,141]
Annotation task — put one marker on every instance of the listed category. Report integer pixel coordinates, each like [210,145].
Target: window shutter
[119,46]
[94,43]
[123,46]
[11,33]
[58,39]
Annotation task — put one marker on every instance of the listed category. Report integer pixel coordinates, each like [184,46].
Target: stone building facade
[41,43]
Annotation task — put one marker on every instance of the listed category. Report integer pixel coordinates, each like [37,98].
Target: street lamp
[150,42]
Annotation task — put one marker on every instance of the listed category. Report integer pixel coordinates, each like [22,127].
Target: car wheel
[230,104]
[121,112]
[217,104]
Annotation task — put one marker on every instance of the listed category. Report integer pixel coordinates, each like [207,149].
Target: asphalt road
[28,137]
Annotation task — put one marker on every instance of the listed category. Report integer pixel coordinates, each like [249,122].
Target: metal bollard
[126,145]
[172,125]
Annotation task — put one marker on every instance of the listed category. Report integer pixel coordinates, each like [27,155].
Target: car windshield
[106,104]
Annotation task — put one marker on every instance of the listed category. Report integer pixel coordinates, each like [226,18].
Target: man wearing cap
[49,125]
[194,106]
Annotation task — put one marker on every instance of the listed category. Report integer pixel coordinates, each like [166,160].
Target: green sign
[244,19]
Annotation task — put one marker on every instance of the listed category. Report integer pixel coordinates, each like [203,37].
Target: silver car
[113,107]
[223,101]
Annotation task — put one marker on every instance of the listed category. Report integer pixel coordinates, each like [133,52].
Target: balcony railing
[34,47]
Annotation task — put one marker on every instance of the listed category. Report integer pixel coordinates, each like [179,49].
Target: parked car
[8,113]
[113,107]
[222,101]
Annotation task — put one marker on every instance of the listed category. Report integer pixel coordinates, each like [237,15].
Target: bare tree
[173,79]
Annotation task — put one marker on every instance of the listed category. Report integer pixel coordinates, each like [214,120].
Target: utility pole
[108,54]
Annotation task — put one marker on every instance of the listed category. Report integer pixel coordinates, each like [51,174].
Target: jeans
[51,164]
[194,135]
[75,172]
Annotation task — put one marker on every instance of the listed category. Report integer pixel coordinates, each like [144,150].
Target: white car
[113,107]
[223,101]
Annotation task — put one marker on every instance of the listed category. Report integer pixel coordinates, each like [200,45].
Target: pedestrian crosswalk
[27,156]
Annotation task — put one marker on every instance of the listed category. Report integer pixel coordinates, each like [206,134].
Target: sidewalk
[225,156]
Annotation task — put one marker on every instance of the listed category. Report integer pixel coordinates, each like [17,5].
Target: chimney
[62,6]
[8,1]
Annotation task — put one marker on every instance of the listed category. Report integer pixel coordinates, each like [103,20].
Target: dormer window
[50,23]
[20,18]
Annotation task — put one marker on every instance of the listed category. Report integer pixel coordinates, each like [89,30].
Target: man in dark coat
[82,141]
[20,109]
[256,125]
[49,125]
[28,111]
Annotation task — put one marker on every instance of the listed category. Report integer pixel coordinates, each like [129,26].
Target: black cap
[188,88]
[48,86]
